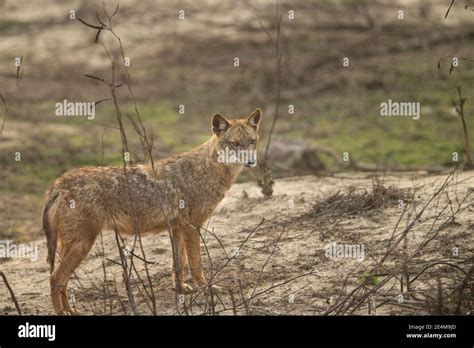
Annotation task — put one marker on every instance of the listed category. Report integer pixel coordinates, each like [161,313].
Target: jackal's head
[237,139]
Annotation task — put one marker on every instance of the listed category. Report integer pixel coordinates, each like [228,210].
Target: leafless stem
[12,294]
[459,107]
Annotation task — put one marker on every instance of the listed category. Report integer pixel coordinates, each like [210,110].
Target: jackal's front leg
[192,242]
[179,262]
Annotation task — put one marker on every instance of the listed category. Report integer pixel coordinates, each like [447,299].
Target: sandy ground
[295,238]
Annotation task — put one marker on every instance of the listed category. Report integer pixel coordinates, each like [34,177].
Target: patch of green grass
[369,137]
[372,279]
[171,129]
[14,26]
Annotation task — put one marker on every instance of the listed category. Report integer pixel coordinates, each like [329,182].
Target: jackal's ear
[254,118]
[219,124]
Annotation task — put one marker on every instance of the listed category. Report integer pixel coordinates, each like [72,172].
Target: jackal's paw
[214,287]
[75,311]
[70,312]
[184,288]
[218,288]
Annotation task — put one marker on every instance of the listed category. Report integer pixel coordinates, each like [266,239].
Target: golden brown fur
[183,191]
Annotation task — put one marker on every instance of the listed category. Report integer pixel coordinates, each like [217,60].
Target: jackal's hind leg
[72,255]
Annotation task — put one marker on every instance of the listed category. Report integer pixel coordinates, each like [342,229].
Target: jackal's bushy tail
[51,235]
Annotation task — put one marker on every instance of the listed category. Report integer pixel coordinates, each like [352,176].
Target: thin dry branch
[12,294]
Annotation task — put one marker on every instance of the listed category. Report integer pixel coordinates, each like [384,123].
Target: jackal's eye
[235,143]
[252,142]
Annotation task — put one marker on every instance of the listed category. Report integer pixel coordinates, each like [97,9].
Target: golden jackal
[179,193]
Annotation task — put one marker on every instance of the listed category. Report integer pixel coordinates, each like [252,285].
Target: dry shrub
[362,200]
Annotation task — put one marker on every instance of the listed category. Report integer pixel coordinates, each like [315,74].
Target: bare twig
[459,107]
[12,294]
